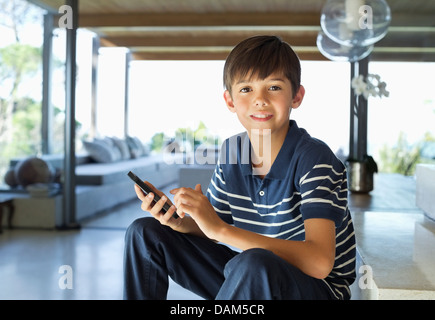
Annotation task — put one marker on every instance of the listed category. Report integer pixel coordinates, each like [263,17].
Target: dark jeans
[211,270]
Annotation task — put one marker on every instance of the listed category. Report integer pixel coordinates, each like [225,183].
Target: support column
[358,114]
[353,128]
[126,91]
[47,109]
[95,48]
[360,166]
[69,195]
[362,113]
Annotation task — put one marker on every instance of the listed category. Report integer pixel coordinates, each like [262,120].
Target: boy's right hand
[155,209]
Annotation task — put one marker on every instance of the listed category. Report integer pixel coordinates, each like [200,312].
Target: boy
[277,194]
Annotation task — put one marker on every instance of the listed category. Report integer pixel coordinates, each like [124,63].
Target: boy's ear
[229,101]
[297,100]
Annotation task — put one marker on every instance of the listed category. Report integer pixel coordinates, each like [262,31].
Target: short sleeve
[218,196]
[323,186]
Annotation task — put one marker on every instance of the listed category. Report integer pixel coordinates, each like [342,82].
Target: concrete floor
[32,261]
[394,239]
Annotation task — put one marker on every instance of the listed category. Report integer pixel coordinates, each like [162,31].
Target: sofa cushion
[135,147]
[101,151]
[104,173]
[122,145]
[56,160]
[147,168]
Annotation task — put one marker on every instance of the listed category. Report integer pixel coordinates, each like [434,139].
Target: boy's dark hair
[261,56]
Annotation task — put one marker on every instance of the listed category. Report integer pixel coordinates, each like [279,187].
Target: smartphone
[147,190]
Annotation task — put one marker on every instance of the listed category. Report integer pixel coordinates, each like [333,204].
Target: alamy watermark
[365,21]
[366,17]
[235,150]
[366,279]
[66,19]
[66,280]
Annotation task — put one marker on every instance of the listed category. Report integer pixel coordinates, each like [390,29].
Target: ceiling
[208,29]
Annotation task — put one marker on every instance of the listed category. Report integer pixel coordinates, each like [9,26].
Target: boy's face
[264,103]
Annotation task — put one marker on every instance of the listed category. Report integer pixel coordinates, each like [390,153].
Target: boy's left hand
[196,204]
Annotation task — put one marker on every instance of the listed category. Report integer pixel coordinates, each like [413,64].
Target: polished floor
[32,261]
[395,241]
[392,233]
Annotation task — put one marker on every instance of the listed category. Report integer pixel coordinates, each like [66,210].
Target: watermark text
[66,19]
[366,279]
[238,149]
[366,17]
[66,280]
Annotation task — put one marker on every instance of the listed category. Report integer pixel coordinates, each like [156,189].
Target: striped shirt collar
[285,153]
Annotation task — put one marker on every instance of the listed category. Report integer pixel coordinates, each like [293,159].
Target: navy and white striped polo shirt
[306,181]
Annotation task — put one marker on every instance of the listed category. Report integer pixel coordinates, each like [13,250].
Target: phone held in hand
[147,190]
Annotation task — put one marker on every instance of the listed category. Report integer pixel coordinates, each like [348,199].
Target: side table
[6,200]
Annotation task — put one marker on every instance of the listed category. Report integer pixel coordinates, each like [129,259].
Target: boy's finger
[147,202]
[174,191]
[155,190]
[158,206]
[168,215]
[139,192]
[198,188]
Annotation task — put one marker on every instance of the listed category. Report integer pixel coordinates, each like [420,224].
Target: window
[401,131]
[20,78]
[110,92]
[324,112]
[167,95]
[83,87]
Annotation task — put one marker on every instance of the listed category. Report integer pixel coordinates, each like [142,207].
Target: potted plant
[361,166]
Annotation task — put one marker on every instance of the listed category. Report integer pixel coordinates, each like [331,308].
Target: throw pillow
[99,152]
[135,150]
[106,141]
[122,145]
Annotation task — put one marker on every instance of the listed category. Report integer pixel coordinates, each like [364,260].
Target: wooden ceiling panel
[206,39]
[198,6]
[204,29]
[189,19]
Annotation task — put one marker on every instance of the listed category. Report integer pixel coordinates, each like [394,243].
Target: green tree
[26,123]
[199,136]
[157,141]
[18,62]
[185,136]
[402,158]
[14,14]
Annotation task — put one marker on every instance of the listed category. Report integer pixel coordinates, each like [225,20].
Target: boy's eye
[244,90]
[274,88]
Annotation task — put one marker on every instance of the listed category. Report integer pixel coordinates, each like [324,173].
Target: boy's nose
[260,100]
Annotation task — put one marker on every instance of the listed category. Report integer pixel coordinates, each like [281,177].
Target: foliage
[14,14]
[18,59]
[20,116]
[187,138]
[26,123]
[157,141]
[403,157]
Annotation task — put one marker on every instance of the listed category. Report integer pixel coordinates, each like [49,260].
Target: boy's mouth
[261,117]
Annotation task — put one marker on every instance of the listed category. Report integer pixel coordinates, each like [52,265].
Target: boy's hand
[196,204]
[156,208]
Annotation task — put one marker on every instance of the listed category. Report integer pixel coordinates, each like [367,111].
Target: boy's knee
[138,225]
[142,227]
[256,256]
[250,260]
